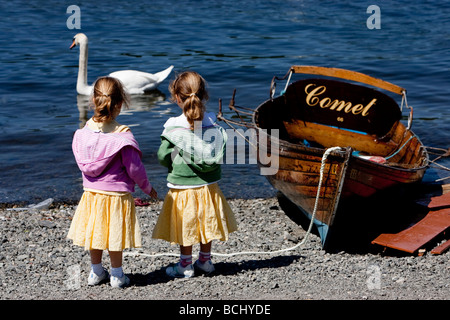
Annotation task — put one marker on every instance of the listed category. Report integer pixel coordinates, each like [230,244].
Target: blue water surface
[233,44]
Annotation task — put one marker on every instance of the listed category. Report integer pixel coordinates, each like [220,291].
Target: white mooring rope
[308,232]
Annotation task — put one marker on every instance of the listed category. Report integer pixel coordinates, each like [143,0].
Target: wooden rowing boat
[377,151]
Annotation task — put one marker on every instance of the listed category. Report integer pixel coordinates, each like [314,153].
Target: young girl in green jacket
[195,209]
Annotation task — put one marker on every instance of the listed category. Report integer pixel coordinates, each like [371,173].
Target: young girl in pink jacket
[110,161]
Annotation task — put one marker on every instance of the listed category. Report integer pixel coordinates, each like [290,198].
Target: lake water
[240,44]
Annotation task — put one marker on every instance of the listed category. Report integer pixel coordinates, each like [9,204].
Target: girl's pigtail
[103,110]
[193,109]
[190,88]
[108,97]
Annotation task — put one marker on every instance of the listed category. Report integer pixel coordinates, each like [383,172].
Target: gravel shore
[38,262]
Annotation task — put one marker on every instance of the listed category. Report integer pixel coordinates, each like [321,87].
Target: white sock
[204,256]
[117,272]
[97,268]
[185,260]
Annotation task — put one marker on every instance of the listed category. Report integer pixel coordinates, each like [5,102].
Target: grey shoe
[177,271]
[206,267]
[95,279]
[121,282]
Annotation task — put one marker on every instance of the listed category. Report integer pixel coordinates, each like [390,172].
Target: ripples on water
[233,45]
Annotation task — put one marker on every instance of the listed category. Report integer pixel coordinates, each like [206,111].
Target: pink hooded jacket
[109,161]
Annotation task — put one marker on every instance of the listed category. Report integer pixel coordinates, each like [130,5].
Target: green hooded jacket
[193,157]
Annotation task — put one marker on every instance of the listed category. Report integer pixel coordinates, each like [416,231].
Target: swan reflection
[138,103]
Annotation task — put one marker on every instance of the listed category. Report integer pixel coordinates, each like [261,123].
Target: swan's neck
[82,68]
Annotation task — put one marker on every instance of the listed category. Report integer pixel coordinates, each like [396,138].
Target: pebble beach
[37,262]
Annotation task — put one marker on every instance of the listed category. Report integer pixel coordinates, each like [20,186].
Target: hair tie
[102,93]
[192,94]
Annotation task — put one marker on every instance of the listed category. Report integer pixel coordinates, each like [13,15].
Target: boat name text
[312,100]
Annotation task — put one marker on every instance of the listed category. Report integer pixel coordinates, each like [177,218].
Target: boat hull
[343,179]
[301,142]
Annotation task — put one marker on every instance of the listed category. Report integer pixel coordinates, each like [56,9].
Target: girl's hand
[153,194]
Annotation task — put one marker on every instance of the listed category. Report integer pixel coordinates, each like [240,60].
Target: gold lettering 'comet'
[312,99]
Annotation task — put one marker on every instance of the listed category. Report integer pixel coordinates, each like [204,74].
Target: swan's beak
[73,44]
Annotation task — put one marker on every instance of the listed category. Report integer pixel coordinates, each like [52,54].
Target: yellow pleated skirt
[197,215]
[105,222]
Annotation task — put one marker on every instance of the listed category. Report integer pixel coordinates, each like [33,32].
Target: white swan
[135,82]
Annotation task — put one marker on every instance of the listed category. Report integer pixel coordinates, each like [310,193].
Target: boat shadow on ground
[361,220]
[222,269]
